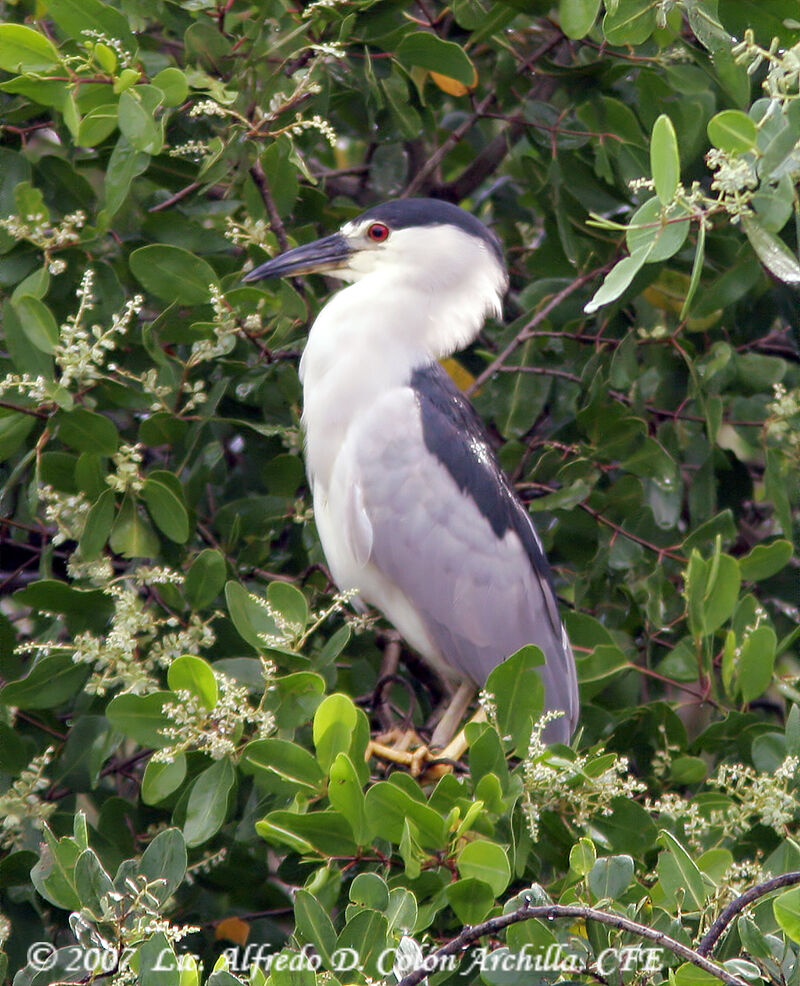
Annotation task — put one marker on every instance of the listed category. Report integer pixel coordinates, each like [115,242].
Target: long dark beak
[327,254]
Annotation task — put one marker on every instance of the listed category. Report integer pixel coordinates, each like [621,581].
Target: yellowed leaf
[452,86]
[233,929]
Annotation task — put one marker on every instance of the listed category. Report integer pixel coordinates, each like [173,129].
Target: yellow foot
[421,762]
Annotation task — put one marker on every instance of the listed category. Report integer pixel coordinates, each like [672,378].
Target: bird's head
[416,246]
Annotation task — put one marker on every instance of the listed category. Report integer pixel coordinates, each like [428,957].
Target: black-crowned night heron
[411,505]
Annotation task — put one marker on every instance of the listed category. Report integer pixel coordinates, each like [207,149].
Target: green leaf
[98,525]
[87,431]
[166,506]
[92,883]
[38,322]
[125,163]
[334,722]
[97,125]
[772,252]
[160,780]
[299,696]
[131,536]
[24,50]
[25,357]
[679,874]
[697,270]
[141,717]
[661,231]
[173,274]
[689,974]
[628,828]
[577,17]
[617,281]
[250,619]
[173,83]
[164,860]
[366,935]
[54,875]
[471,899]
[756,662]
[519,695]
[388,809]
[610,876]
[138,125]
[279,765]
[288,601]
[205,578]
[722,593]
[346,795]
[732,131]
[665,163]
[14,429]
[194,675]
[53,680]
[430,52]
[485,861]
[629,22]
[325,832]
[786,909]
[157,962]
[75,17]
[582,856]
[207,807]
[314,925]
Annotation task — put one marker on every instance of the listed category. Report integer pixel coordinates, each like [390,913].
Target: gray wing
[448,530]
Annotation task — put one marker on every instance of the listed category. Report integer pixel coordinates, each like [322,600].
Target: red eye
[378,232]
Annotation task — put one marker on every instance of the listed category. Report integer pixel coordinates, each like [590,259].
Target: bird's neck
[361,346]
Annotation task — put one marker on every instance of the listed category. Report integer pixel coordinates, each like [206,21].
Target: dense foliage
[186,703]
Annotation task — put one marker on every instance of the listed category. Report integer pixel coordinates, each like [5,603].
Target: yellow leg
[416,760]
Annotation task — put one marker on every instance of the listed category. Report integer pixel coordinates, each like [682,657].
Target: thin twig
[551,911]
[713,934]
[446,146]
[259,176]
[180,194]
[526,330]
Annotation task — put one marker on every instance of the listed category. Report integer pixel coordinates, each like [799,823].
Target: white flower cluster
[735,179]
[685,813]
[248,232]
[120,657]
[314,123]
[783,424]
[68,511]
[195,150]
[123,55]
[208,107]
[331,49]
[759,797]
[782,81]
[81,351]
[312,8]
[126,917]
[214,731]
[127,461]
[195,636]
[33,387]
[225,329]
[21,806]
[551,781]
[38,230]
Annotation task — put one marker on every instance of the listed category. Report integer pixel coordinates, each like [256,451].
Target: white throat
[404,310]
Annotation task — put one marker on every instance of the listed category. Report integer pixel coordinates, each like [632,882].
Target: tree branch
[735,907]
[526,331]
[551,911]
